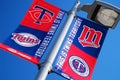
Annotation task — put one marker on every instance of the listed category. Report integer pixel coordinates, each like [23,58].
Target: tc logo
[90,38]
[79,66]
[41,15]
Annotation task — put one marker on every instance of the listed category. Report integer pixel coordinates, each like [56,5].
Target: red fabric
[32,14]
[20,54]
[74,51]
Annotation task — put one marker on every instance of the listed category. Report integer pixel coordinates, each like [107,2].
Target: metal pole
[47,65]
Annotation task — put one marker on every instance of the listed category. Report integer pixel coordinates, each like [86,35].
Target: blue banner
[80,50]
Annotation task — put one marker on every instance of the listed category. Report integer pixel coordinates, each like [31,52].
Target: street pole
[47,65]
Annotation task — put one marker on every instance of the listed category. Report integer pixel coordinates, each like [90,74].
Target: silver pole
[47,65]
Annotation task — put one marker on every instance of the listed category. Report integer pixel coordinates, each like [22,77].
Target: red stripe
[20,54]
[74,51]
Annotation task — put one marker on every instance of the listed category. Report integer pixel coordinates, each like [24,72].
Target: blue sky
[15,68]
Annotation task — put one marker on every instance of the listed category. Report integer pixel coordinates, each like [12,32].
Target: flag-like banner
[80,49]
[35,31]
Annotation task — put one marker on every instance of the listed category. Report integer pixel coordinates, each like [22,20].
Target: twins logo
[25,39]
[41,15]
[90,37]
[79,66]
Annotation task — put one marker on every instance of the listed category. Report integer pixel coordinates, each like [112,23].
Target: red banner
[32,37]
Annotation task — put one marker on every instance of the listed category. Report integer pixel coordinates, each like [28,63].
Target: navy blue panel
[28,50]
[92,25]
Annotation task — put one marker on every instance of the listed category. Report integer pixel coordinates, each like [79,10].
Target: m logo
[41,15]
[90,37]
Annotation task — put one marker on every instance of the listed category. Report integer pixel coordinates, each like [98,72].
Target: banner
[80,50]
[35,31]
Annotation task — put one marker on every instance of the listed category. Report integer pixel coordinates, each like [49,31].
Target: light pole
[47,65]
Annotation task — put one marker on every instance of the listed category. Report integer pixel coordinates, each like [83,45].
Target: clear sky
[14,68]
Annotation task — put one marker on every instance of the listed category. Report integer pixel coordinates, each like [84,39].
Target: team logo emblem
[90,37]
[25,39]
[79,66]
[41,15]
